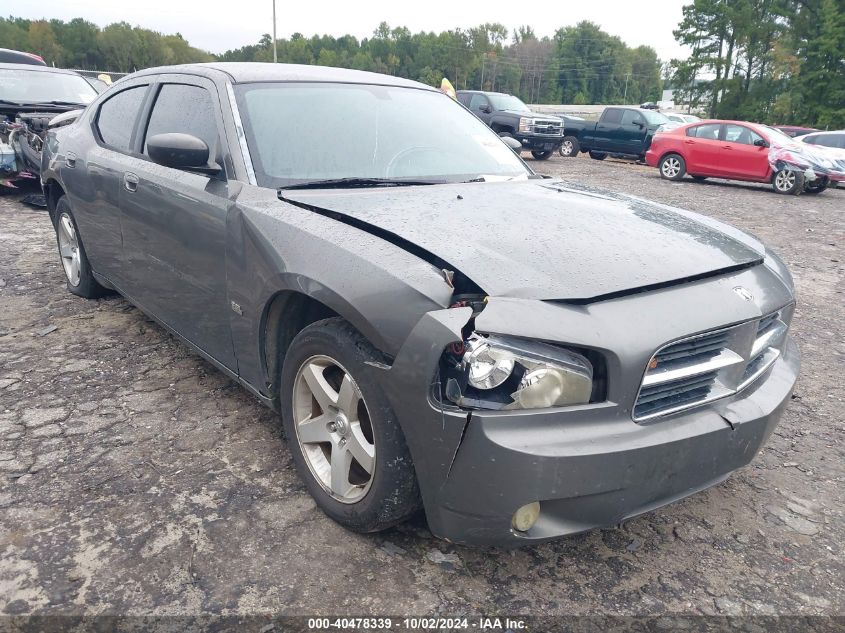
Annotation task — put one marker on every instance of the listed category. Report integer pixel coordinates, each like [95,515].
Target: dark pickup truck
[620,131]
[540,134]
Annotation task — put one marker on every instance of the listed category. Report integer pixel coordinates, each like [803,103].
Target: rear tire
[77,269]
[542,155]
[354,459]
[597,155]
[672,167]
[570,147]
[788,182]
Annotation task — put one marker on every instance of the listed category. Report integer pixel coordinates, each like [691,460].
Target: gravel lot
[136,479]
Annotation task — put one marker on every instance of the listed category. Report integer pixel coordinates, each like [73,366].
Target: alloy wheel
[671,167]
[785,180]
[566,148]
[333,429]
[69,249]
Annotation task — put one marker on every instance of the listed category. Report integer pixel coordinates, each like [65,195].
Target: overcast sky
[217,26]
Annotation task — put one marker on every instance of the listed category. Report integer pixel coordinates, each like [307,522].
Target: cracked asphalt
[136,479]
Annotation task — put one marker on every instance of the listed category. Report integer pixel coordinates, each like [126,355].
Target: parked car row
[439,326]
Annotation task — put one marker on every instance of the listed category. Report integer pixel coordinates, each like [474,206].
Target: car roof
[37,69]
[824,133]
[248,72]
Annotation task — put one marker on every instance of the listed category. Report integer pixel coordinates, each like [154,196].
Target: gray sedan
[439,327]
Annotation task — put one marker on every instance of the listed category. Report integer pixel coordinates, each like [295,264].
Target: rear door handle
[70,160]
[726,147]
[130,181]
[689,142]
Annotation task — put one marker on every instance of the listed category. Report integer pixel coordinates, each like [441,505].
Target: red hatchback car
[738,150]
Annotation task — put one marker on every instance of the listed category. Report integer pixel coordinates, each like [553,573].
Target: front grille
[708,366]
[548,128]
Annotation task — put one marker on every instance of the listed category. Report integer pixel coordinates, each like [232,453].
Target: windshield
[302,132]
[34,86]
[507,102]
[654,118]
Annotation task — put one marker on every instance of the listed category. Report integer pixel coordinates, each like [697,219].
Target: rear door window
[184,109]
[708,131]
[116,117]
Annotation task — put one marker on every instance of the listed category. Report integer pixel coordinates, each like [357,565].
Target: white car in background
[681,118]
[834,139]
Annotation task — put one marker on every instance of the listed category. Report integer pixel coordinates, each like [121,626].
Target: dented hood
[541,239]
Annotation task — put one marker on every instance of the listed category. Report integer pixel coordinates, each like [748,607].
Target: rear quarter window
[116,117]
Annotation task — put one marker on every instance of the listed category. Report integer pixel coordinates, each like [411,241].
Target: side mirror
[180,151]
[761,143]
[512,143]
[486,109]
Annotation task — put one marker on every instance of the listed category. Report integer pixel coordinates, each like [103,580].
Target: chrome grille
[550,128]
[712,365]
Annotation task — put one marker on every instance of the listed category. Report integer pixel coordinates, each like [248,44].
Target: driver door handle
[130,182]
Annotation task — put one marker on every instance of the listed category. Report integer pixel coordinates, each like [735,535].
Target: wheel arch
[288,311]
[52,192]
[667,152]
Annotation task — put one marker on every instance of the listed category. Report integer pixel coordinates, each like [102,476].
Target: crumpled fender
[433,434]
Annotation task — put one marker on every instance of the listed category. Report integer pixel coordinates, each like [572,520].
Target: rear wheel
[542,155]
[80,280]
[788,182]
[672,167]
[570,147]
[597,155]
[343,435]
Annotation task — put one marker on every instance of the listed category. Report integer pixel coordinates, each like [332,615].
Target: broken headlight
[496,372]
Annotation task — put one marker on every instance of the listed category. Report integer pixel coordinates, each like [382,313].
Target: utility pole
[625,98]
[275,55]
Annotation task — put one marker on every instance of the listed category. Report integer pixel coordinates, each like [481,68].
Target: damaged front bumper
[589,465]
[590,469]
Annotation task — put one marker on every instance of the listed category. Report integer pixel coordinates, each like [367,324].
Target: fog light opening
[525,518]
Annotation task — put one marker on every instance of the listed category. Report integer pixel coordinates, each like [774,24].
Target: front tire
[788,182]
[542,155]
[570,147]
[597,155]
[345,439]
[672,167]
[77,269]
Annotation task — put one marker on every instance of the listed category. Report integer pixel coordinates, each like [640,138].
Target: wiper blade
[64,103]
[350,183]
[36,104]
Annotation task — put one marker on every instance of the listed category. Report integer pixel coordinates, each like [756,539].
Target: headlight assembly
[497,372]
[526,125]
